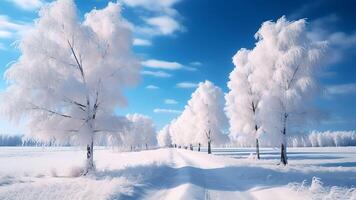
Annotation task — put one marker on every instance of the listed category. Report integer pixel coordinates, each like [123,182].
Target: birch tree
[247,85]
[70,75]
[293,82]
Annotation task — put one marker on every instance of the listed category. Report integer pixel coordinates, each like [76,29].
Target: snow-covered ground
[51,173]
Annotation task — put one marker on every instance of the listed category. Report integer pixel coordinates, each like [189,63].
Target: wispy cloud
[158,6]
[170,101]
[339,43]
[303,10]
[162,25]
[155,17]
[192,69]
[170,111]
[186,85]
[141,42]
[160,74]
[161,64]
[196,63]
[342,89]
[27,4]
[152,87]
[10,28]
[166,65]
[2,46]
[5,34]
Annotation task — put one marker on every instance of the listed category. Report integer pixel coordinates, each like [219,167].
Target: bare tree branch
[289,84]
[76,59]
[80,106]
[35,107]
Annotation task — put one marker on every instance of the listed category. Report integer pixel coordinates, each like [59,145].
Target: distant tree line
[11,140]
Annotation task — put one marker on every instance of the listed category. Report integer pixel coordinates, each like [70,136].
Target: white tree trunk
[90,157]
[90,150]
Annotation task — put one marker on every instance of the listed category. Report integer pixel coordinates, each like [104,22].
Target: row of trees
[139,133]
[203,118]
[270,92]
[70,76]
[273,84]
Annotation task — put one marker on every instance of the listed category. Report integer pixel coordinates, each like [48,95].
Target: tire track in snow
[199,166]
[188,175]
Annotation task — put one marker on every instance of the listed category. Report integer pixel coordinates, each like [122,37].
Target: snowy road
[193,175]
[49,173]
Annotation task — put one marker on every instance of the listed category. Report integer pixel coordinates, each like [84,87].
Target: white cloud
[339,43]
[141,42]
[27,4]
[159,17]
[167,65]
[5,34]
[152,87]
[161,64]
[10,28]
[303,10]
[162,110]
[163,25]
[160,74]
[162,6]
[186,85]
[342,89]
[196,63]
[192,69]
[170,101]
[2,46]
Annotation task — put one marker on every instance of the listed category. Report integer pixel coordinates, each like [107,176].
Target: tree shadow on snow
[234,178]
[339,164]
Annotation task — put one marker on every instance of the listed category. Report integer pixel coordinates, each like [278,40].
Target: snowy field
[52,173]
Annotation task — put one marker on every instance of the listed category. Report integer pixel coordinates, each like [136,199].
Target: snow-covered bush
[317,190]
[324,139]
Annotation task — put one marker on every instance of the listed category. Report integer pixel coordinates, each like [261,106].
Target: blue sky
[183,42]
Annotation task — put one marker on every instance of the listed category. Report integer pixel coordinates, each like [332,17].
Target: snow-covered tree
[164,137]
[10,140]
[292,82]
[248,82]
[142,132]
[71,73]
[203,119]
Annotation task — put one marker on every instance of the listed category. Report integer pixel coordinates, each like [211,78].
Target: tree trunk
[284,148]
[284,154]
[90,157]
[209,147]
[257,149]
